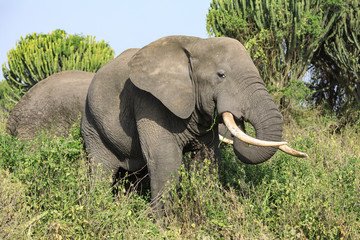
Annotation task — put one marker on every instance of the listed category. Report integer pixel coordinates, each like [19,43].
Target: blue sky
[123,24]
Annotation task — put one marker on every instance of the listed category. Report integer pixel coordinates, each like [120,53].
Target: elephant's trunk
[265,117]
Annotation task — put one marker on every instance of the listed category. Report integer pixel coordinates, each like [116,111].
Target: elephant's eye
[221,75]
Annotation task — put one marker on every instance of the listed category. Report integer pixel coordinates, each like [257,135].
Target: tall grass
[48,192]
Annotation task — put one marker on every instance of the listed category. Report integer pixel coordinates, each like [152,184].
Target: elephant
[54,103]
[149,106]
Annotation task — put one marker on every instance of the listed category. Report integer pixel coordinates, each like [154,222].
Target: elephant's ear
[163,69]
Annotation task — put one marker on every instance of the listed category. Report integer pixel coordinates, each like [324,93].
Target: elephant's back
[67,84]
[54,102]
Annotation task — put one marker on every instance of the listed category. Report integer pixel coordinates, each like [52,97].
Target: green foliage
[337,64]
[7,97]
[280,35]
[38,56]
[49,193]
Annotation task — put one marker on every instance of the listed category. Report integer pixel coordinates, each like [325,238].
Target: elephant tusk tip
[302,155]
[292,152]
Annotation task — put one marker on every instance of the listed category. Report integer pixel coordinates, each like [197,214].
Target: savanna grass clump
[48,192]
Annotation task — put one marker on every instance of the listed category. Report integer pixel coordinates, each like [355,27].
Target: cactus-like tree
[281,35]
[337,62]
[38,56]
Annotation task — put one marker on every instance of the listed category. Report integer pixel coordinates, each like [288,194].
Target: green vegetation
[9,96]
[47,192]
[337,64]
[38,56]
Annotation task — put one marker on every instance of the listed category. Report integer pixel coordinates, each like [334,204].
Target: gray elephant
[54,103]
[149,106]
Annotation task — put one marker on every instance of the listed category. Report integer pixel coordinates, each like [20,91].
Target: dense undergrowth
[47,192]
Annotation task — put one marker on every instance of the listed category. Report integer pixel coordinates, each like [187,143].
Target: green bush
[8,98]
[38,56]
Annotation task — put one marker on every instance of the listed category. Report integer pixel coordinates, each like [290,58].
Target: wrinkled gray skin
[149,106]
[52,104]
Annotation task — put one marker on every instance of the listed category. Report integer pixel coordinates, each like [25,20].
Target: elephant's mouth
[230,123]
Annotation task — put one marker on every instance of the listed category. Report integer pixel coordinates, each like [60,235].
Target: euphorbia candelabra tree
[281,35]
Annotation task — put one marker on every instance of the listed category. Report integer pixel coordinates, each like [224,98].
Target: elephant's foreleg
[163,157]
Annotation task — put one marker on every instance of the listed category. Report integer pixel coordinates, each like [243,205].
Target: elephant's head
[188,73]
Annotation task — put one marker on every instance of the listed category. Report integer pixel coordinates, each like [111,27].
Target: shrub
[8,98]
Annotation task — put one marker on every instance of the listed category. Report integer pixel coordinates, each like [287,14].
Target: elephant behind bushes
[53,104]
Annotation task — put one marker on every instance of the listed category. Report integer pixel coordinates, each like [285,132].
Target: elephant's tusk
[238,133]
[292,152]
[225,140]
[284,148]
